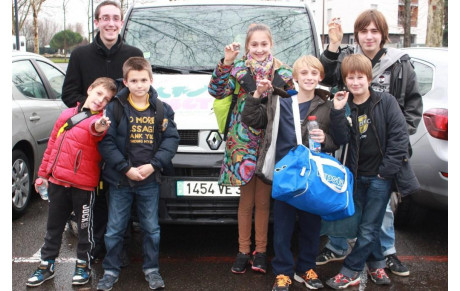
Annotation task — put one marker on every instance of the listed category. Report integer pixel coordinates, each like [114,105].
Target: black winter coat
[87,63]
[392,139]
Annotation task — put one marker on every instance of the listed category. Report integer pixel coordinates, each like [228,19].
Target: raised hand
[335,30]
[231,52]
[340,99]
[263,86]
[102,124]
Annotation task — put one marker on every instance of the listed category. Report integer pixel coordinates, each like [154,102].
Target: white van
[184,41]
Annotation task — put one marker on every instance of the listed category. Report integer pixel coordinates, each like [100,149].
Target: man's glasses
[106,18]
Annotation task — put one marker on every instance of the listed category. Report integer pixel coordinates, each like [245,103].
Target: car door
[38,98]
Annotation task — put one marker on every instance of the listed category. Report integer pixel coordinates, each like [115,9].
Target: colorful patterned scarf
[261,70]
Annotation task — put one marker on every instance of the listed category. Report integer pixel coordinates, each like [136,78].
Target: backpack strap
[378,56]
[74,120]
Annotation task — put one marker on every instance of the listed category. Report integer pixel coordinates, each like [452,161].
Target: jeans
[309,225]
[120,201]
[339,245]
[372,195]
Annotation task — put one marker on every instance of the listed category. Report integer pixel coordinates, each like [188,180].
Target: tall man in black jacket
[104,57]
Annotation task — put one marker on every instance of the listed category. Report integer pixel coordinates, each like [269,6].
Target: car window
[424,74]
[54,76]
[195,36]
[27,80]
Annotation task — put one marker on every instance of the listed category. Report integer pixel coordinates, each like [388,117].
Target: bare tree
[36,6]
[48,29]
[23,12]
[434,31]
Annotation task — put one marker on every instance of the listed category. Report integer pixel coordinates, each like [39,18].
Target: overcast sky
[76,12]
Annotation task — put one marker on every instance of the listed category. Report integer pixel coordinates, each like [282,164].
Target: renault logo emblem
[214,140]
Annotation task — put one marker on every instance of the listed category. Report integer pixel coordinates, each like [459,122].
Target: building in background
[348,11]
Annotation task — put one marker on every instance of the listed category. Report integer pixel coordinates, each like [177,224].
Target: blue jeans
[120,201]
[372,195]
[339,245]
[284,222]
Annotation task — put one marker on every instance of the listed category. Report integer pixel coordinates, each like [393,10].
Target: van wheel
[22,183]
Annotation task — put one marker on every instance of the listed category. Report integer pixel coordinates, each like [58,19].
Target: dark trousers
[62,201]
[284,224]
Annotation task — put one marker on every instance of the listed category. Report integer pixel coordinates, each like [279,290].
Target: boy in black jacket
[136,149]
[378,144]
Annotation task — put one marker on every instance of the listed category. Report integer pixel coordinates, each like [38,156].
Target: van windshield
[191,39]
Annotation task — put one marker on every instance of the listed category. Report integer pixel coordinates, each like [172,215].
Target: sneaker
[340,281]
[396,266]
[259,262]
[44,272]
[155,280]
[239,266]
[379,276]
[106,282]
[282,283]
[82,273]
[310,279]
[327,256]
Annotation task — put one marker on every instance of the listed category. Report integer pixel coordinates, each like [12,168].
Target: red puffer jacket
[72,158]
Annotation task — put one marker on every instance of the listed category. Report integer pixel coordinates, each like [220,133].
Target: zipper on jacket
[77,162]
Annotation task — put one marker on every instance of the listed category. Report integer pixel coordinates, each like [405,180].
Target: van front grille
[188,137]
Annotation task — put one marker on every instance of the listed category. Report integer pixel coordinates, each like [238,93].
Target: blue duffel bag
[314,182]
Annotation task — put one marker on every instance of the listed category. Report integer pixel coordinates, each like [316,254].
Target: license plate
[205,188]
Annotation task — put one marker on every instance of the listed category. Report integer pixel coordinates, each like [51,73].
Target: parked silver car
[37,89]
[430,143]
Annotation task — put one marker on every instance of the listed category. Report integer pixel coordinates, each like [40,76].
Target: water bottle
[42,189]
[312,124]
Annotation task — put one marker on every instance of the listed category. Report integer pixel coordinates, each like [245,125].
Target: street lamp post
[92,20]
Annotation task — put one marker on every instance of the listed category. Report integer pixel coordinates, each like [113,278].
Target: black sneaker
[44,272]
[259,262]
[239,266]
[310,279]
[82,273]
[396,266]
[379,276]
[327,256]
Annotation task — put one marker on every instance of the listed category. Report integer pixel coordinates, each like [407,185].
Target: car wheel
[22,183]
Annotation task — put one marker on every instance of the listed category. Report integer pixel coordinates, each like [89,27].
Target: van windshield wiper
[180,70]
[202,71]
[171,70]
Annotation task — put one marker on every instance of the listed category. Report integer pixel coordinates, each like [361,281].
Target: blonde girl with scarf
[243,142]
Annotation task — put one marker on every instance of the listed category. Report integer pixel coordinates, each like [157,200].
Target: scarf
[261,70]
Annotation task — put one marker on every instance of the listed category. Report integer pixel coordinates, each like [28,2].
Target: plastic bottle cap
[39,181]
[312,117]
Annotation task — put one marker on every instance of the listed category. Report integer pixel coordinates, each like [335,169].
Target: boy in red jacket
[70,170]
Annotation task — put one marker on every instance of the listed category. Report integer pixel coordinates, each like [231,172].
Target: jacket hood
[323,94]
[391,56]
[122,96]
